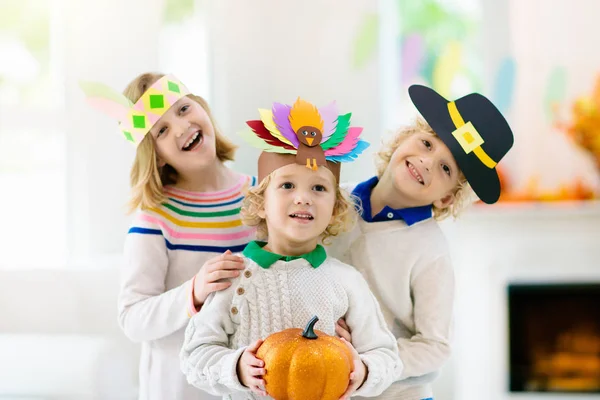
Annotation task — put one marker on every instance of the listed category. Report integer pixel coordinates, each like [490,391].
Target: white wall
[495,37]
[260,52]
[109,46]
[544,36]
[265,51]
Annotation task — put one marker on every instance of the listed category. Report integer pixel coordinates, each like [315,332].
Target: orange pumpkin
[305,365]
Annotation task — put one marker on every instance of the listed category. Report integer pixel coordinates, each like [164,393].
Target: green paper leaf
[177,11]
[365,42]
[427,68]
[341,129]
[555,91]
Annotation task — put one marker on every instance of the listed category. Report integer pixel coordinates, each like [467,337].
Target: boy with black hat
[424,175]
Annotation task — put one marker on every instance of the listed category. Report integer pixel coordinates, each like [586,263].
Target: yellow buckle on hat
[467,136]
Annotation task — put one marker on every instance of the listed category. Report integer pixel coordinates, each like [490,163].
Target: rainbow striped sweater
[164,250]
[201,222]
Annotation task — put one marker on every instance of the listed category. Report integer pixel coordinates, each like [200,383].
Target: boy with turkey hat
[289,277]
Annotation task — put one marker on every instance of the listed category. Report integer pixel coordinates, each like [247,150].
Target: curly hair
[344,212]
[463,194]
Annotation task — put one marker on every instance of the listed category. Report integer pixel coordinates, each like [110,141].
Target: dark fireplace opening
[554,338]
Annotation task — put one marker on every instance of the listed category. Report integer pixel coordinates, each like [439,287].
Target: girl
[178,249]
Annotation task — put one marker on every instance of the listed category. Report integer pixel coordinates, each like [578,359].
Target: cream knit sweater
[286,295]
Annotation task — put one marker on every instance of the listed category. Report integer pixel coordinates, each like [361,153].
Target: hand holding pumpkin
[250,369]
[359,372]
[307,365]
[342,329]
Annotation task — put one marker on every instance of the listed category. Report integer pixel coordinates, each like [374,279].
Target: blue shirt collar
[410,215]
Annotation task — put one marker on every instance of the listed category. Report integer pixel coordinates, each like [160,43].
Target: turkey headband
[135,120]
[305,135]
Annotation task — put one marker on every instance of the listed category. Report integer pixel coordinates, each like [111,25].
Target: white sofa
[59,337]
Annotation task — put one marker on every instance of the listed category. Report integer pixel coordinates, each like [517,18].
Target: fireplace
[554,338]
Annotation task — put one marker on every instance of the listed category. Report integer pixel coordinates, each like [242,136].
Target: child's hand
[250,369]
[214,275]
[358,374]
[343,330]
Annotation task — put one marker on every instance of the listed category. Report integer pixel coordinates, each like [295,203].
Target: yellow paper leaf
[446,68]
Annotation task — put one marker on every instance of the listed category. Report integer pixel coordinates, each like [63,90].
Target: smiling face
[422,171]
[309,135]
[185,138]
[298,205]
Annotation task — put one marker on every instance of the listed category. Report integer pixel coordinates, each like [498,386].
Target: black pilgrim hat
[474,130]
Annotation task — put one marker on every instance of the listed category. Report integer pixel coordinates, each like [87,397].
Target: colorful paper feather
[103,97]
[266,116]
[135,120]
[281,113]
[303,113]
[360,147]
[276,130]
[343,123]
[348,143]
[250,137]
[261,131]
[330,115]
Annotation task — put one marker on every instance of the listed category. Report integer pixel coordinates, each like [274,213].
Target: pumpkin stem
[309,332]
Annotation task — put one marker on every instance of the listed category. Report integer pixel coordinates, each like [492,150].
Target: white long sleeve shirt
[263,301]
[409,270]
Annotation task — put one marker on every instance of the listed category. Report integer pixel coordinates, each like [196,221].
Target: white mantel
[496,245]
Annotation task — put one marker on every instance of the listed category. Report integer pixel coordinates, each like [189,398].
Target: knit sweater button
[240,291]
[247,274]
[234,310]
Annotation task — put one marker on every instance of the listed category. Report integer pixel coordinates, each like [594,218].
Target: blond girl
[179,247]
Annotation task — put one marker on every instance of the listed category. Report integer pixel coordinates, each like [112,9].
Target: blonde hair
[147,179]
[462,192]
[344,212]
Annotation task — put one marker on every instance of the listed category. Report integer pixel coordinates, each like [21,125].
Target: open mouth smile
[193,141]
[415,173]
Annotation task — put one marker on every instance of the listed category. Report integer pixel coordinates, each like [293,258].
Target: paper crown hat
[303,134]
[135,120]
[474,130]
